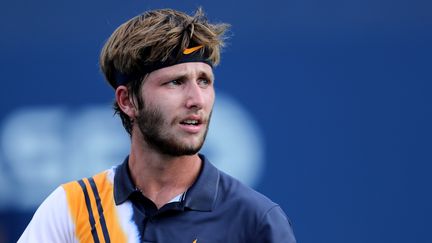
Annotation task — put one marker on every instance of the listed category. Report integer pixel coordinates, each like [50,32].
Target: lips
[192,124]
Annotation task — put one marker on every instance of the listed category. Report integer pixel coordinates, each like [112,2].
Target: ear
[125,102]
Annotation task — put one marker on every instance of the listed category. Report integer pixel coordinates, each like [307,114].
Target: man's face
[177,105]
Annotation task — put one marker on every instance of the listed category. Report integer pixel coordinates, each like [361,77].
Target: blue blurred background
[324,106]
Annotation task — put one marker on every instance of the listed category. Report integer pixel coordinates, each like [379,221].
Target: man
[160,65]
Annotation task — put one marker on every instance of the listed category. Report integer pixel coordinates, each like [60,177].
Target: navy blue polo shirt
[216,208]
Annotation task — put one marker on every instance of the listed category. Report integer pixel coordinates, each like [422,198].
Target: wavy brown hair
[154,36]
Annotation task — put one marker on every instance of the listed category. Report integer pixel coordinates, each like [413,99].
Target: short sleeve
[275,227]
[51,222]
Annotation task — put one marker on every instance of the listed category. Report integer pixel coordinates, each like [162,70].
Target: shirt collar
[123,185]
[201,196]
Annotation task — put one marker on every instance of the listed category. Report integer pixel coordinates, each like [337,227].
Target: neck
[161,177]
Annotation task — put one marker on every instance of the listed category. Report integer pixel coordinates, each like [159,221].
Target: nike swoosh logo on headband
[188,51]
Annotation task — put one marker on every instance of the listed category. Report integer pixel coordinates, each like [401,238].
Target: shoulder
[51,221]
[87,191]
[102,179]
[231,189]
[265,219]
[56,217]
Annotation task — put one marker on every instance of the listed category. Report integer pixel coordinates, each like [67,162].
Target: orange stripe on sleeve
[94,210]
[106,193]
[78,211]
[80,215]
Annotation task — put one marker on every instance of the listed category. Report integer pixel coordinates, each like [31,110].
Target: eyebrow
[210,76]
[184,76]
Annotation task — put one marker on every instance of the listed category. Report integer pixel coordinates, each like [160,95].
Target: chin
[177,147]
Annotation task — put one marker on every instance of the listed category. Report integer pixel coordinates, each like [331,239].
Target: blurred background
[324,106]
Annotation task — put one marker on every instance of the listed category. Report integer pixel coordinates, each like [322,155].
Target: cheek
[211,99]
[168,105]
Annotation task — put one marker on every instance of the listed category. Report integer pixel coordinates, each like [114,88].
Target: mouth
[191,122]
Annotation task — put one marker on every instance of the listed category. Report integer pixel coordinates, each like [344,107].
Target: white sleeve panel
[51,222]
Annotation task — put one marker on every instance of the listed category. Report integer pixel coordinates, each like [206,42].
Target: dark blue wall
[340,89]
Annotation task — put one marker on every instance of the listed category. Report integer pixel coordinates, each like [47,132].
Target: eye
[174,83]
[204,82]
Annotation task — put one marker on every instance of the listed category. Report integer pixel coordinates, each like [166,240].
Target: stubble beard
[151,122]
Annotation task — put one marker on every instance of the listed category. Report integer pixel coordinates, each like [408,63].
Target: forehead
[188,69]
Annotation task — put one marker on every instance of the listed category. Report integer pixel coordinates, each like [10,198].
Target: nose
[195,96]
